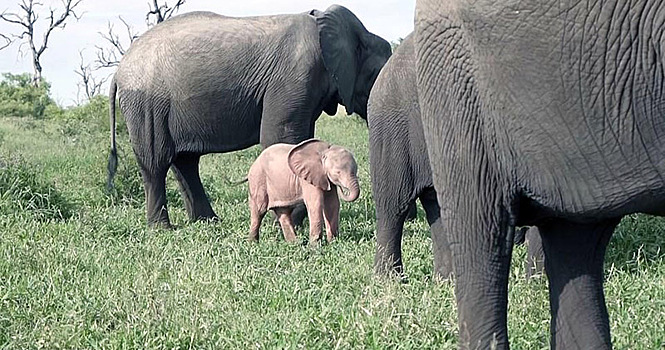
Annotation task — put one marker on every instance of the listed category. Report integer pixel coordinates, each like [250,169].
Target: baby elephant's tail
[235,182]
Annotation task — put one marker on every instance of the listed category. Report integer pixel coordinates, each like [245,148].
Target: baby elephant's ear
[306,161]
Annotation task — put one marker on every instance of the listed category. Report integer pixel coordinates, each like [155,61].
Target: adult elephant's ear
[339,40]
[306,161]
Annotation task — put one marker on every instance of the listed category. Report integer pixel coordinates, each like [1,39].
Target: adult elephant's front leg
[393,187]
[389,231]
[481,240]
[392,196]
[186,169]
[574,255]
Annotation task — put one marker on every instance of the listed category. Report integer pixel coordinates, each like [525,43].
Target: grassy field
[79,268]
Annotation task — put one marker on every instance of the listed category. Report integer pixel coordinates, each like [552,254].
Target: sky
[390,19]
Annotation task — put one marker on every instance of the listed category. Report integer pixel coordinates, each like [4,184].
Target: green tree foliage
[20,98]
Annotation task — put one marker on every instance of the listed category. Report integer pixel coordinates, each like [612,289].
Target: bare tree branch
[26,18]
[119,44]
[60,22]
[90,85]
[8,41]
[161,13]
[110,57]
[106,58]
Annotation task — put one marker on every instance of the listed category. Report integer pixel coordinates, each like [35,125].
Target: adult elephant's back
[214,74]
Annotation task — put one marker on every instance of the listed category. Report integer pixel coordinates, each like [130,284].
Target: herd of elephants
[495,115]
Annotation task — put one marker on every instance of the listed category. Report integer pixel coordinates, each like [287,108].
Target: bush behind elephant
[203,83]
[312,172]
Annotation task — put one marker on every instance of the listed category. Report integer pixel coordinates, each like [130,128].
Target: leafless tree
[88,84]
[26,19]
[110,57]
[160,13]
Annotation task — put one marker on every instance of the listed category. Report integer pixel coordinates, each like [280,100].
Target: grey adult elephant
[547,113]
[401,173]
[202,83]
[399,165]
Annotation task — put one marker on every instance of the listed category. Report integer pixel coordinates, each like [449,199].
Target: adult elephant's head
[352,55]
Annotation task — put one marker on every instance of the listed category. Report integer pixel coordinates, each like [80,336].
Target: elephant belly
[210,125]
[283,192]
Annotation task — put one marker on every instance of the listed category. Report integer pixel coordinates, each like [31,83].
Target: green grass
[79,268]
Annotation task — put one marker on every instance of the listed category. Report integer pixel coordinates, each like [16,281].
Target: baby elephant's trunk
[351,190]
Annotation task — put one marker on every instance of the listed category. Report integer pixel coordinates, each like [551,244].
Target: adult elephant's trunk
[350,190]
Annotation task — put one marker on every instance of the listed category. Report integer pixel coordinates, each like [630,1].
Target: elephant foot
[392,275]
[162,225]
[331,237]
[292,241]
[202,213]
[387,268]
[214,219]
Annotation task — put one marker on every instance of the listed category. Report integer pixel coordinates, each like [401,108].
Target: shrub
[22,191]
[96,109]
[91,117]
[19,98]
[128,184]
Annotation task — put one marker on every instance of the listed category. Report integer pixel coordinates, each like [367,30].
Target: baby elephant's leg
[255,225]
[314,204]
[331,214]
[284,217]
[258,207]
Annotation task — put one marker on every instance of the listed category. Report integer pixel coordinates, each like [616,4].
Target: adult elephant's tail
[113,156]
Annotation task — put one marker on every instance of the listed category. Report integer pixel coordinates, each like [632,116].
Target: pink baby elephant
[286,175]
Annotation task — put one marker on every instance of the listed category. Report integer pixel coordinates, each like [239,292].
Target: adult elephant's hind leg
[154,150]
[186,169]
[574,255]
[443,260]
[154,183]
[535,258]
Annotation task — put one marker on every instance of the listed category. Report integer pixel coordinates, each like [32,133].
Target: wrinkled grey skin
[546,113]
[203,83]
[401,173]
[399,166]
